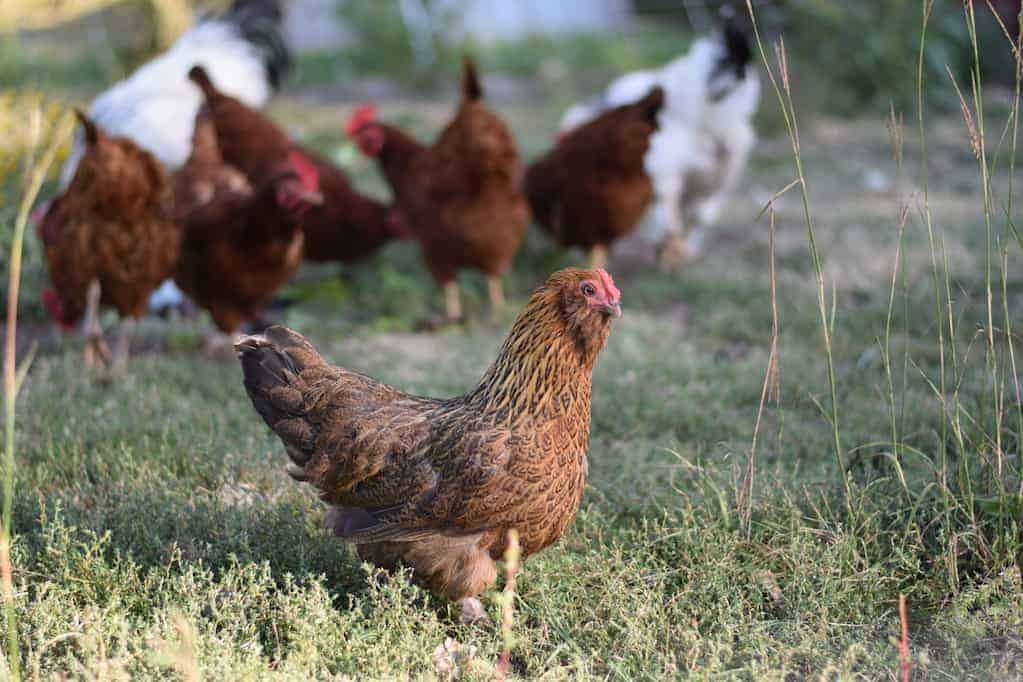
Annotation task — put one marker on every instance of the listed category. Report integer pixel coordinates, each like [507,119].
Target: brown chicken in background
[109,239]
[205,177]
[461,197]
[592,188]
[436,484]
[346,227]
[240,248]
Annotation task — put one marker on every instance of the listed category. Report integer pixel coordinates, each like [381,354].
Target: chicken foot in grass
[435,484]
[96,354]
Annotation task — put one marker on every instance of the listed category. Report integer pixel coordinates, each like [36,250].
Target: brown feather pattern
[436,483]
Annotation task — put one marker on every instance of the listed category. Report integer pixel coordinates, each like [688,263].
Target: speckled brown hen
[109,239]
[593,188]
[436,484]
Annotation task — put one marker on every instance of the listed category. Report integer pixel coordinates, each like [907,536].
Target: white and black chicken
[706,132]
[243,51]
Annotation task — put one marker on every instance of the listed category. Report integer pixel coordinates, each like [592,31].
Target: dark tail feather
[651,103]
[737,44]
[260,24]
[272,364]
[198,75]
[472,88]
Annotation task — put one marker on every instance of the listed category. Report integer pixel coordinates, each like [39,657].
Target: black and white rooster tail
[738,45]
[260,23]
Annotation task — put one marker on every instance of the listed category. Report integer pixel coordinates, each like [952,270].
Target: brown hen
[436,484]
[593,188]
[240,248]
[461,197]
[346,227]
[205,177]
[109,239]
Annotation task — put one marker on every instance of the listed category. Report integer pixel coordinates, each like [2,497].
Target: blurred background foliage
[846,56]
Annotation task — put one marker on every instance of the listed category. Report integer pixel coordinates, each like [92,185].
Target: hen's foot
[96,354]
[473,612]
[598,256]
[119,363]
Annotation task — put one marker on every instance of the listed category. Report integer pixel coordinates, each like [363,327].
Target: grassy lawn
[156,529]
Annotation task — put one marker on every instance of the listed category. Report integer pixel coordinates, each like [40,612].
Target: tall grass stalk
[783,92]
[14,375]
[772,382]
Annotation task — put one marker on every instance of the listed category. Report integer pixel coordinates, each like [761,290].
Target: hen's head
[364,130]
[585,302]
[298,189]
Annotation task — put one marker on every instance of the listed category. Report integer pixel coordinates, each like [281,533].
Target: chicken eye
[589,289]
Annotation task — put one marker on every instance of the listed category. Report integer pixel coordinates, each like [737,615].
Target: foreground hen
[436,484]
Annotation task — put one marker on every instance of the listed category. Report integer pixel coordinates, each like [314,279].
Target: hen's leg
[452,302]
[673,249]
[495,291]
[123,346]
[96,353]
[598,256]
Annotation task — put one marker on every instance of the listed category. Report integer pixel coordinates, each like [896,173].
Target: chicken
[109,238]
[436,484]
[592,188]
[205,177]
[706,133]
[155,107]
[242,246]
[346,226]
[461,197]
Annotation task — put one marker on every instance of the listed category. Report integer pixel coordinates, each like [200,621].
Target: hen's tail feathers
[89,130]
[272,364]
[472,88]
[651,104]
[260,24]
[198,75]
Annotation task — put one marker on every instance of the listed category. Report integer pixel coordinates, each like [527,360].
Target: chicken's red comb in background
[308,175]
[362,115]
[609,285]
[51,301]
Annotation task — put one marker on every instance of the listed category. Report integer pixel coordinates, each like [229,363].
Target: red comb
[609,285]
[364,113]
[308,175]
[53,305]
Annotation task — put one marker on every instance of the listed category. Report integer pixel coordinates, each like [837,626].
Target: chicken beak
[313,198]
[614,309]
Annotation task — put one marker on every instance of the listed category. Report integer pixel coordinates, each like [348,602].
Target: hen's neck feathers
[548,356]
[397,153]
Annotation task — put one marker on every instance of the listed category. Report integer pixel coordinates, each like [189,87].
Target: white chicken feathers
[706,133]
[155,107]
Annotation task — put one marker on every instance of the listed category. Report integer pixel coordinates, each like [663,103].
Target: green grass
[156,529]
